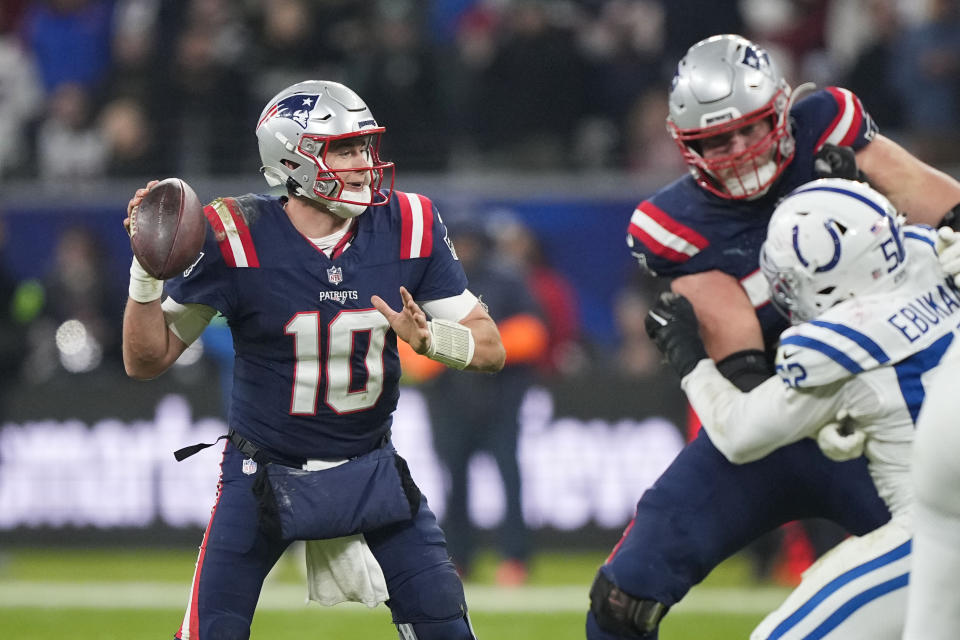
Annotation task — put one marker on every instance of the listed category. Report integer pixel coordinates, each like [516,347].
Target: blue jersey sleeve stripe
[920,237]
[831,352]
[861,339]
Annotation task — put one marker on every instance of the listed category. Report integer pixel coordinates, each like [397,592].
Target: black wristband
[952,219]
[746,369]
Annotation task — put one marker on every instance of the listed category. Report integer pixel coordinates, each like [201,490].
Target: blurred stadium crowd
[103,89]
[119,88]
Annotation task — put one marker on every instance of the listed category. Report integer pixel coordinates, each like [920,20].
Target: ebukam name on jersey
[926,311]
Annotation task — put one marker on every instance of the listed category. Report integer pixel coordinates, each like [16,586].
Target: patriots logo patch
[296,107]
[755,58]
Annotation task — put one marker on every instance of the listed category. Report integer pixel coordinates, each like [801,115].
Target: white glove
[948,251]
[839,441]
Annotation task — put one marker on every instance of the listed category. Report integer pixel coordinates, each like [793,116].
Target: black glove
[837,162]
[673,327]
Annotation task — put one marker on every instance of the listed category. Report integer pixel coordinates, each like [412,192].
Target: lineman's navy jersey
[316,367]
[684,229]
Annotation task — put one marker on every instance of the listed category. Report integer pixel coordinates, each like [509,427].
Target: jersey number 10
[341,345]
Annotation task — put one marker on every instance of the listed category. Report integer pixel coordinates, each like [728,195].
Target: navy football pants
[704,508]
[236,556]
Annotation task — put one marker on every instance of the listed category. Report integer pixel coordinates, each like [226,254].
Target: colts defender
[317,285]
[748,139]
[874,317]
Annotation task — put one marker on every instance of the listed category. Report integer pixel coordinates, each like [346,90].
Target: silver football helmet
[724,83]
[295,132]
[827,241]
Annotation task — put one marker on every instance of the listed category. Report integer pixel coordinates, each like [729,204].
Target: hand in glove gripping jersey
[948,252]
[673,327]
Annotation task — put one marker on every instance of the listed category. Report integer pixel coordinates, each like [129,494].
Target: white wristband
[143,287]
[450,343]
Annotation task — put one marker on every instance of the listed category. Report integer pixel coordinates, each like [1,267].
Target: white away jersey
[871,355]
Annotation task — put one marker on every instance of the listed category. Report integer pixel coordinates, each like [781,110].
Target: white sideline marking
[162,595]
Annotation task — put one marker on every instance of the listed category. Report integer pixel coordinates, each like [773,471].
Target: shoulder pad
[822,351]
[663,241]
[416,225]
[231,230]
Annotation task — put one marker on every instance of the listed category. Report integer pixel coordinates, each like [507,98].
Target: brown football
[167,229]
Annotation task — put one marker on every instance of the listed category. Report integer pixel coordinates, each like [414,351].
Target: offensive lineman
[309,283]
[874,317]
[748,141]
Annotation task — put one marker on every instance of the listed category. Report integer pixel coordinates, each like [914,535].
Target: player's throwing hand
[410,323]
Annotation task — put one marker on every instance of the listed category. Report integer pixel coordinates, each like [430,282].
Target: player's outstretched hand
[948,251]
[840,440]
[410,323]
[673,327]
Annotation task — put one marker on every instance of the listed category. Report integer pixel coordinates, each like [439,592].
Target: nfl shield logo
[335,275]
[249,467]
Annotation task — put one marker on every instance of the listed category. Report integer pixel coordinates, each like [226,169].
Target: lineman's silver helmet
[295,131]
[722,84]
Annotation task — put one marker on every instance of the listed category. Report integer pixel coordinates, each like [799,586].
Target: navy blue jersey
[317,370]
[684,229]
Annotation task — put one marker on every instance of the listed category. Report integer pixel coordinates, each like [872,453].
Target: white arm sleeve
[454,308]
[748,426]
[187,321]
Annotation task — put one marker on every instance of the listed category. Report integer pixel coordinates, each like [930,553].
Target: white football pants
[856,590]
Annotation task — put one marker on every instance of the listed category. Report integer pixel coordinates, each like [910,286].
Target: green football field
[131,594]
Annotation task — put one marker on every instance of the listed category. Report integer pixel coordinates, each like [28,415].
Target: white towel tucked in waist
[344,570]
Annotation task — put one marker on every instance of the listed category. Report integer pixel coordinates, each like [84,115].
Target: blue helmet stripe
[833,353]
[861,339]
[853,194]
[865,200]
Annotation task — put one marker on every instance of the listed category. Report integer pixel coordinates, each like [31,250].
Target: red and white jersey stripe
[232,233]
[663,235]
[416,233]
[846,125]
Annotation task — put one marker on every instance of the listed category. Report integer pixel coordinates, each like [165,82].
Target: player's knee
[458,629]
[431,606]
[226,627]
[620,614]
